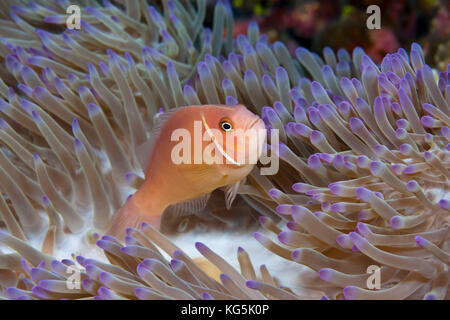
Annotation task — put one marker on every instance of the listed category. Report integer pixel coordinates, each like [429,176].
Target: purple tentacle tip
[335,188]
[325,157]
[207,296]
[258,236]
[363,229]
[396,222]
[252,284]
[284,209]
[35,116]
[342,240]
[354,237]
[201,247]
[263,220]
[430,296]
[363,161]
[356,124]
[420,241]
[412,186]
[363,193]
[45,200]
[427,121]
[75,124]
[444,204]
[77,144]
[40,292]
[350,292]
[93,109]
[296,254]
[274,192]
[231,101]
[325,274]
[224,277]
[314,162]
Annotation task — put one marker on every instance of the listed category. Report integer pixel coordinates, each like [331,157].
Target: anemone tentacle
[364,157]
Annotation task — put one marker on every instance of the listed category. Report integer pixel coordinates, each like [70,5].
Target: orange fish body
[191,152]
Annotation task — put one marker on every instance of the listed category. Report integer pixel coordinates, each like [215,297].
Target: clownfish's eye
[226,125]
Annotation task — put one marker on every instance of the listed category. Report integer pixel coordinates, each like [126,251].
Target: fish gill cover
[364,159]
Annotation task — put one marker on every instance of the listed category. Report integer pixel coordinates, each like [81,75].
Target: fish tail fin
[130,216]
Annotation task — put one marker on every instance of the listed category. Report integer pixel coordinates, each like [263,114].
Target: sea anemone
[364,148]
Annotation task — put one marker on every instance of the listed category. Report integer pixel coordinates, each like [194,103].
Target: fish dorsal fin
[193,206]
[144,150]
[231,191]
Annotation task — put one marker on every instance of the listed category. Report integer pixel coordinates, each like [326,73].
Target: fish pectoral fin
[143,153]
[144,150]
[231,191]
[193,206]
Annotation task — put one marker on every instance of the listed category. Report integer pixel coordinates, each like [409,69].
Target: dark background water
[342,24]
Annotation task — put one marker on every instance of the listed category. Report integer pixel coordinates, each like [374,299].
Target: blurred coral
[316,24]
